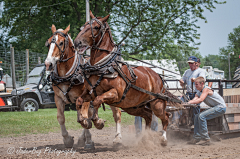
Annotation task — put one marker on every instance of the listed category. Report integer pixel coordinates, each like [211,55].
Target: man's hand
[193,79]
[181,82]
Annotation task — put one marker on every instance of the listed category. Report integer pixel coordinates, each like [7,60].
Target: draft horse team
[104,78]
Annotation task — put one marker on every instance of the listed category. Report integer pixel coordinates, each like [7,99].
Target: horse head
[58,45]
[91,33]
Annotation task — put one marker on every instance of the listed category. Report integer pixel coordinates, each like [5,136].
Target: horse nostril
[80,43]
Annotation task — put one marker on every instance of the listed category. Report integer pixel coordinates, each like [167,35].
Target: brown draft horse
[96,35]
[61,53]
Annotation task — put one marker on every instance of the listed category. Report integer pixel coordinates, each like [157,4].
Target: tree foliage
[146,26]
[233,46]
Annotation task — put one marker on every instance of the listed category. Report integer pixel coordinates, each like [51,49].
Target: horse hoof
[81,141]
[164,142]
[118,139]
[68,141]
[86,123]
[89,146]
[99,124]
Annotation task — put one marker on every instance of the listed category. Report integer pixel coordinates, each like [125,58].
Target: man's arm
[210,84]
[202,74]
[182,82]
[197,100]
[183,79]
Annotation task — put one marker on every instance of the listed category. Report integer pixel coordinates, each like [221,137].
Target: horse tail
[176,102]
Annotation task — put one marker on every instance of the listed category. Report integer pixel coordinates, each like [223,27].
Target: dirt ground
[145,146]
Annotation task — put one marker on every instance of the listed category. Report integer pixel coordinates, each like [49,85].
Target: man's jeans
[200,121]
[138,123]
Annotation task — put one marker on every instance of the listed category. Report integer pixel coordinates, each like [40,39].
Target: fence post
[27,64]
[39,60]
[13,68]
[220,85]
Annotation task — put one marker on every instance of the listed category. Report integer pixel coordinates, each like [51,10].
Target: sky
[221,22]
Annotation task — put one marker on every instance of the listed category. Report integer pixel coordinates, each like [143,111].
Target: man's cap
[192,59]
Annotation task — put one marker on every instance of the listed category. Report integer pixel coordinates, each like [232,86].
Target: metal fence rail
[20,63]
[220,84]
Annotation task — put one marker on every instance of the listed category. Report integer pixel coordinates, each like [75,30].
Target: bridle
[66,42]
[103,29]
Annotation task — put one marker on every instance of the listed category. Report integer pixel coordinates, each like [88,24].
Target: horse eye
[96,27]
[61,43]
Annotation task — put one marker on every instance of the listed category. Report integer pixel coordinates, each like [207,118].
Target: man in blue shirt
[188,80]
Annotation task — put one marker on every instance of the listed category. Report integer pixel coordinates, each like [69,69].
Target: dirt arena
[146,146]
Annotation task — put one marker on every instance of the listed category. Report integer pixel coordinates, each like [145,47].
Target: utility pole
[229,64]
[87,19]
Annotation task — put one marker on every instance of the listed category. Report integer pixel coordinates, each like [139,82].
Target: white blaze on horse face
[50,59]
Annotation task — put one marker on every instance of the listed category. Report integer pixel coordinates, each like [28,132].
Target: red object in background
[2,103]
[239,56]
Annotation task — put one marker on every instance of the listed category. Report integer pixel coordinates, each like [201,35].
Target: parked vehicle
[37,93]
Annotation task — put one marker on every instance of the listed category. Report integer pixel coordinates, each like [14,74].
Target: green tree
[146,26]
[233,45]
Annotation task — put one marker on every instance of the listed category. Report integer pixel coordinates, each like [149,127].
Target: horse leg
[98,123]
[67,139]
[82,113]
[86,139]
[158,107]
[117,118]
[82,139]
[93,115]
[89,144]
[111,95]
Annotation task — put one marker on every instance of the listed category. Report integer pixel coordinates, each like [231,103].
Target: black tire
[29,105]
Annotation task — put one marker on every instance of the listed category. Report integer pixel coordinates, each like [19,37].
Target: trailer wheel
[29,105]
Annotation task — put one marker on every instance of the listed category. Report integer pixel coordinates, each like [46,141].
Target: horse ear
[91,15]
[105,18]
[67,29]
[53,28]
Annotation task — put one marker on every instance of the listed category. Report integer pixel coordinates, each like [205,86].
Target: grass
[45,120]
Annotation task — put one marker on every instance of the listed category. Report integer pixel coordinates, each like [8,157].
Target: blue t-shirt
[188,74]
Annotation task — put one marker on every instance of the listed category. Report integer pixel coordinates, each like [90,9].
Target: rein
[112,65]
